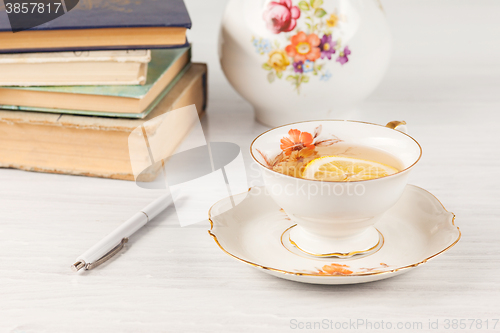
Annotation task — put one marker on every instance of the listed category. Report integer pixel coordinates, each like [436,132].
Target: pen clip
[107,256]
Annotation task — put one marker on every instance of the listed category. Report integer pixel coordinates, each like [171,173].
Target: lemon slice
[340,168]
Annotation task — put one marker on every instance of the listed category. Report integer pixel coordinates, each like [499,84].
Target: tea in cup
[335,179]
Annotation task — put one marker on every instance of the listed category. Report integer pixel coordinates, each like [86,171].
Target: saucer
[255,231]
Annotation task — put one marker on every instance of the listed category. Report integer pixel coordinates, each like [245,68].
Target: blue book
[129,101]
[100,25]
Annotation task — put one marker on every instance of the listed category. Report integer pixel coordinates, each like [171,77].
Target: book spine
[30,140]
[97,48]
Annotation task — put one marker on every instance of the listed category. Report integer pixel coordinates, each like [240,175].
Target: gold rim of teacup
[390,125]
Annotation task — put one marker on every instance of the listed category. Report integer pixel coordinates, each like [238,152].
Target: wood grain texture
[444,81]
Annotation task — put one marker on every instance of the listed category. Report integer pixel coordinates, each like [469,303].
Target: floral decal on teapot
[309,46]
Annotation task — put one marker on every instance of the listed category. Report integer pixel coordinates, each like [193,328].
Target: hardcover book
[103,25]
[92,146]
[124,67]
[118,100]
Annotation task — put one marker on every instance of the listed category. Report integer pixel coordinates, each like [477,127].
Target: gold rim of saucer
[336,254]
[277,270]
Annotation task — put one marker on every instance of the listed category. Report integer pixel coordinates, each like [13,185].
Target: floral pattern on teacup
[307,44]
[298,145]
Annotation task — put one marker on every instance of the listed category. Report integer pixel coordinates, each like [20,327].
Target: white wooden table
[444,81]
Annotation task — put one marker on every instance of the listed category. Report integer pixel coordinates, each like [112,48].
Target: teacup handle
[398,125]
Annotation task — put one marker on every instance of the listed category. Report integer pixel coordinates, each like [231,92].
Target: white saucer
[415,230]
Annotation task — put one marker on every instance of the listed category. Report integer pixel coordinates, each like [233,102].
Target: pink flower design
[281,16]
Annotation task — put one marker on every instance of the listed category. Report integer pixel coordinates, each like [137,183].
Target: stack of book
[73,89]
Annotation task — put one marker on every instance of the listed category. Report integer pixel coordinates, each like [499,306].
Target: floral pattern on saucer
[338,269]
[250,233]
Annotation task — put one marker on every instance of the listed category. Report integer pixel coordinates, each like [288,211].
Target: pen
[114,242]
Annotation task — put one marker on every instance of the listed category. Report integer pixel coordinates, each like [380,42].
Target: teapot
[297,60]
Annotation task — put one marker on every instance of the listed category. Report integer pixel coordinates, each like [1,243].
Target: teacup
[335,218]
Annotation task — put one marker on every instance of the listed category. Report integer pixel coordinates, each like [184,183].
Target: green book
[131,101]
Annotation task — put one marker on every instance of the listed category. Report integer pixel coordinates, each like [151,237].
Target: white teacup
[335,218]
